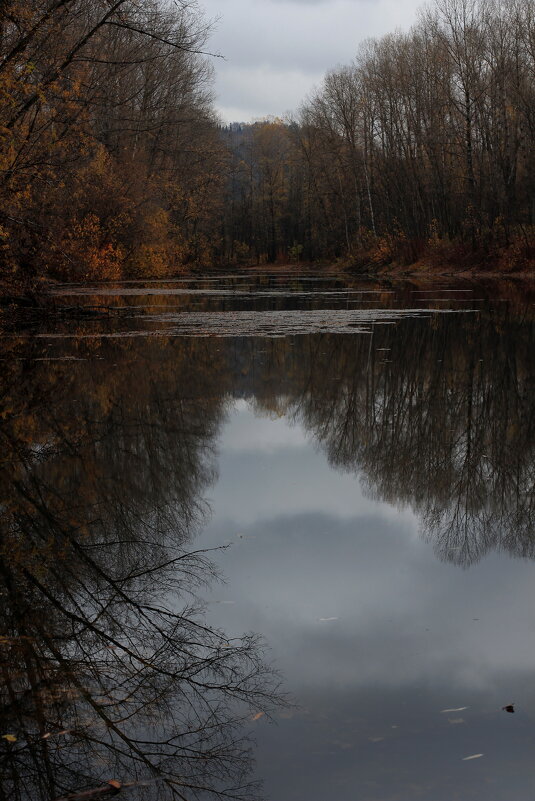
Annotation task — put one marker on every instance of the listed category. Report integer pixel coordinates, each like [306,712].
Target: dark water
[360,458]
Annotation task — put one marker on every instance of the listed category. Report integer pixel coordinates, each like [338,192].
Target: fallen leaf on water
[55,733]
[258,715]
[112,787]
[509,708]
[9,737]
[460,709]
[474,756]
[342,744]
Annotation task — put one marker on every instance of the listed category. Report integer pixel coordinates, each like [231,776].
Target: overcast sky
[277,51]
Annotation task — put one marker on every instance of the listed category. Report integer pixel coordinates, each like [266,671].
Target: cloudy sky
[276,51]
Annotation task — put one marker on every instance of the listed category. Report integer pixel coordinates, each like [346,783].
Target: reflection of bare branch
[442,427]
[109,668]
[106,650]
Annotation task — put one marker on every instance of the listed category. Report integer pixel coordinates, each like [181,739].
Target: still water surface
[359,462]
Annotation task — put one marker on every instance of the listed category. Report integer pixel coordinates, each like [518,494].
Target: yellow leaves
[258,716]
[153,260]
[10,738]
[96,258]
[96,206]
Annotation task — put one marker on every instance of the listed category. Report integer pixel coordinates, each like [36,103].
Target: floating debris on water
[260,323]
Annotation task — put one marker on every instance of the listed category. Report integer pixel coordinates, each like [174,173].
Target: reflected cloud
[250,432]
[402,618]
[342,477]
[108,669]
[289,479]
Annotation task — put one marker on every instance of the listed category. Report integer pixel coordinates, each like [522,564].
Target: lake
[270,529]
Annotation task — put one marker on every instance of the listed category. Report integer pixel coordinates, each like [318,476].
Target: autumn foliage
[108,146]
[113,164]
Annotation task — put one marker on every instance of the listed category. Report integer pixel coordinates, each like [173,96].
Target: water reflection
[109,449]
[433,414]
[109,671]
[440,417]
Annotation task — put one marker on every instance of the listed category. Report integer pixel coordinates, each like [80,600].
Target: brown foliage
[105,120]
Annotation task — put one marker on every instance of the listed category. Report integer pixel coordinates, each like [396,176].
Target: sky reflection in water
[374,636]
[377,490]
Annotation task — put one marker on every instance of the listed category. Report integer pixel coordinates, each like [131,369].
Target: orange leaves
[90,171]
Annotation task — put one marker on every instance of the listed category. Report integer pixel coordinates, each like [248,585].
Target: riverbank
[38,292]
[441,257]
[396,270]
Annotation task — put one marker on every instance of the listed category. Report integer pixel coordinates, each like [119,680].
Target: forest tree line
[113,161]
[110,156]
[423,146]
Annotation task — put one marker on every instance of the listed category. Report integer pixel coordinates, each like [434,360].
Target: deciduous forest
[113,162]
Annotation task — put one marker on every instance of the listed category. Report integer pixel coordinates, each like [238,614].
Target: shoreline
[33,294]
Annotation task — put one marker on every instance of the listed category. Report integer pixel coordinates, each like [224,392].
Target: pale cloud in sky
[277,51]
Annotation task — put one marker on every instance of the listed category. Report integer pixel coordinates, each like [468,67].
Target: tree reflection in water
[104,466]
[108,671]
[433,414]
